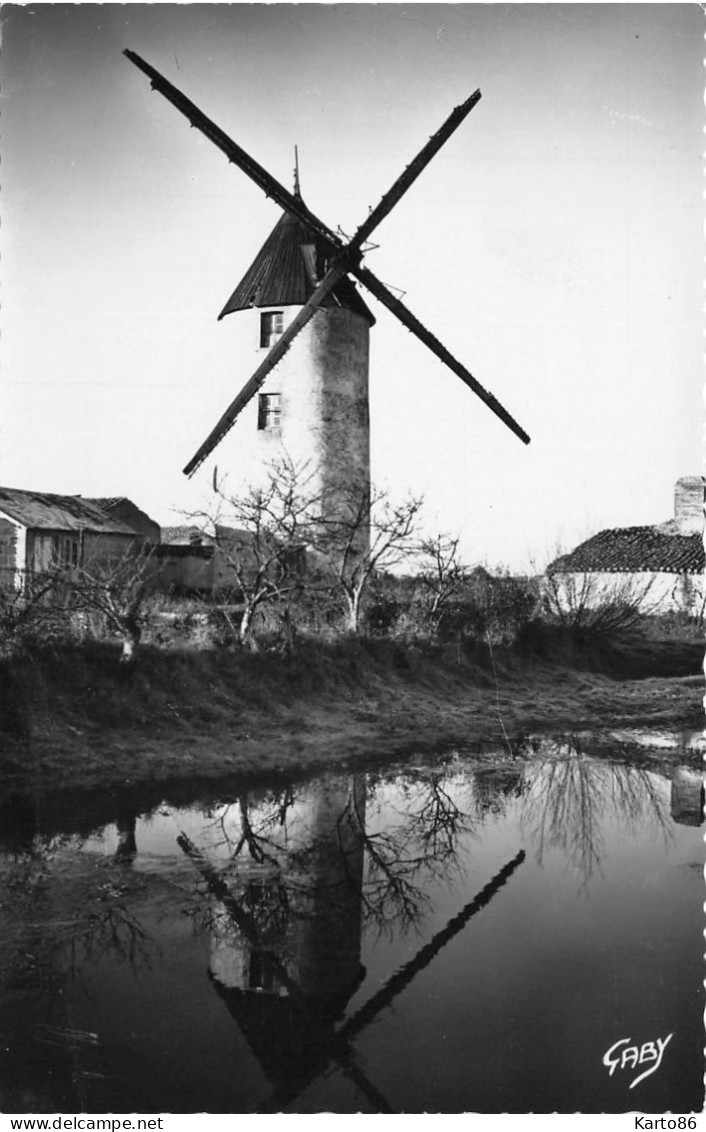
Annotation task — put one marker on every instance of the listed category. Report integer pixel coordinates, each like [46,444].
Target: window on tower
[269,410]
[271,327]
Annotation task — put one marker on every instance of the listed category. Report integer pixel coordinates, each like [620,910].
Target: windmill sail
[342,256]
[345,260]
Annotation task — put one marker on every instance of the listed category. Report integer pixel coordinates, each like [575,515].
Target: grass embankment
[68,719]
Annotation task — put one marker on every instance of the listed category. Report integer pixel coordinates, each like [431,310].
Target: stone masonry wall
[8,554]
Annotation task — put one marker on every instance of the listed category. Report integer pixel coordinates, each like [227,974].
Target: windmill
[306,270]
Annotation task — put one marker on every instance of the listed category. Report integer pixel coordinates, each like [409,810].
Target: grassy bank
[68,717]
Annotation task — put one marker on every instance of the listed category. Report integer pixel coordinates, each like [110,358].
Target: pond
[518,934]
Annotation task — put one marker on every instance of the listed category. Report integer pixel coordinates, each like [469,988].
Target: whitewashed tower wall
[313,408]
[322,383]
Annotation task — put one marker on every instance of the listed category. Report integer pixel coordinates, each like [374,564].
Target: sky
[554,245]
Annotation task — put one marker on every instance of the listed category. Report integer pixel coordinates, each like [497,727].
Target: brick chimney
[689,495]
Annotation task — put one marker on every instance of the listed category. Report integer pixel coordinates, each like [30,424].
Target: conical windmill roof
[285,271]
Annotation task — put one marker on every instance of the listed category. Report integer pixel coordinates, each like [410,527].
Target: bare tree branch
[365,532]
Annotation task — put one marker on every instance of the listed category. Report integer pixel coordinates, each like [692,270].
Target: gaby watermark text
[624,1055]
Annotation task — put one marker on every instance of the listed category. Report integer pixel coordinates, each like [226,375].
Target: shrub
[495,609]
[592,607]
[35,615]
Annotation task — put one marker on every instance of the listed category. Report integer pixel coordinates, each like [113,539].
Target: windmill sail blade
[235,154]
[389,991]
[415,167]
[332,277]
[409,970]
[393,304]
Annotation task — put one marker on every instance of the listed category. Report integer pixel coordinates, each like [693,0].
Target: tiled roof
[109,504]
[280,276]
[41,511]
[632,550]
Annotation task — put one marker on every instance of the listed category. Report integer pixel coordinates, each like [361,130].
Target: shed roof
[633,550]
[39,510]
[282,274]
[107,504]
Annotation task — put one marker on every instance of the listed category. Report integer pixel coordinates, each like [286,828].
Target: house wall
[44,547]
[223,572]
[9,564]
[658,592]
[183,568]
[105,548]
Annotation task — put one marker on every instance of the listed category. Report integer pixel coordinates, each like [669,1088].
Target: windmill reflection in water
[286,940]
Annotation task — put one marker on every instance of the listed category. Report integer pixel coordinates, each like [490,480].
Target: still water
[522,935]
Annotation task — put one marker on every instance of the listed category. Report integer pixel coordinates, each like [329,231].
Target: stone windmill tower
[313,408]
[300,287]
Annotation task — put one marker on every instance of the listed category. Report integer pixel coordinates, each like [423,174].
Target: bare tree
[364,532]
[262,536]
[442,576]
[116,588]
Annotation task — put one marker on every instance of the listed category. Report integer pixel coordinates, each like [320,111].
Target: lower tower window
[269,410]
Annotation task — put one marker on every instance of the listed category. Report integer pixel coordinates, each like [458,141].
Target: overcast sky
[554,245]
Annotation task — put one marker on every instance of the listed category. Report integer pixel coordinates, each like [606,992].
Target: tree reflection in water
[293,834]
[416,842]
[569,798]
[68,910]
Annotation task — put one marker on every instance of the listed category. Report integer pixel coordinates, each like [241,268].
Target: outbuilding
[663,565]
[40,532]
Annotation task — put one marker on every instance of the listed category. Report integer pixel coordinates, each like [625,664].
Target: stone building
[665,562]
[41,531]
